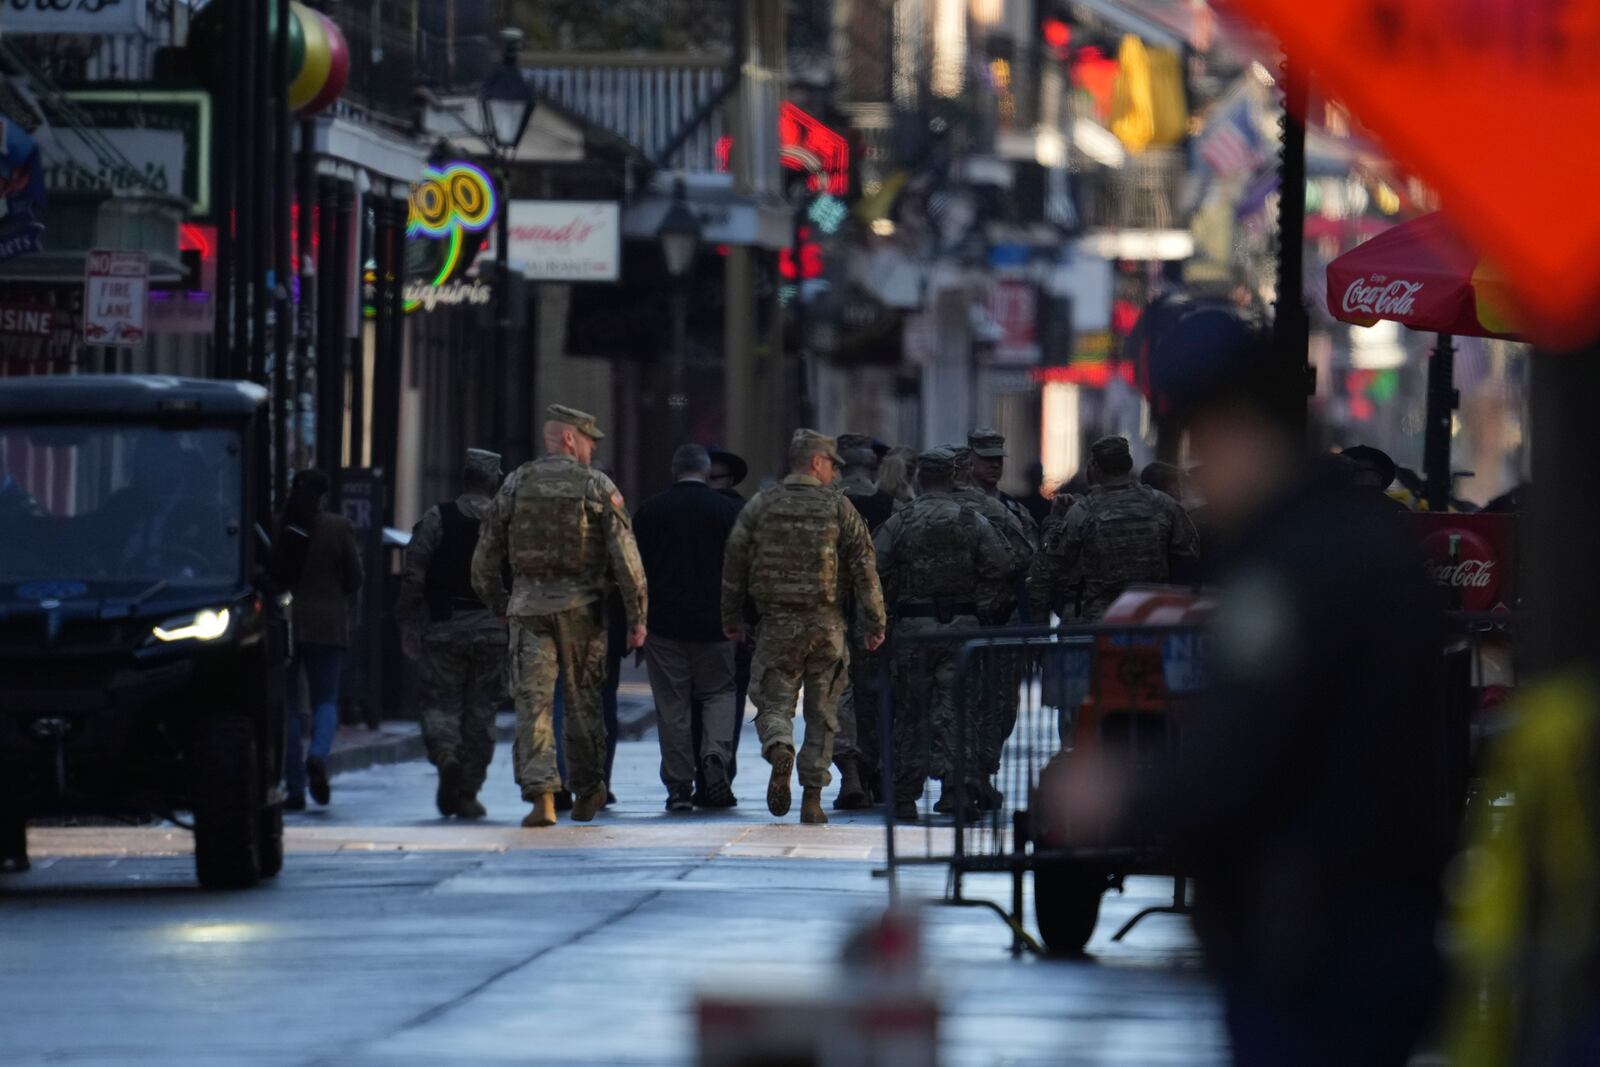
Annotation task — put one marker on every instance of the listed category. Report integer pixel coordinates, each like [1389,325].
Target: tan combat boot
[543,813]
[586,807]
[811,806]
[782,759]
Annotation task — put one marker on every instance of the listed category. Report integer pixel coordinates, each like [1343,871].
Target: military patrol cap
[987,442]
[581,421]
[483,463]
[961,455]
[939,460]
[849,441]
[1110,448]
[811,443]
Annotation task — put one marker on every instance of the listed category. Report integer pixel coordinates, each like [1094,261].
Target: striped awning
[645,100]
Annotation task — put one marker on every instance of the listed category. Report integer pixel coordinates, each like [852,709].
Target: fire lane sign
[116,288]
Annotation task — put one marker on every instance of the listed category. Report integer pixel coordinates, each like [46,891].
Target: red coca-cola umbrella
[1422,275]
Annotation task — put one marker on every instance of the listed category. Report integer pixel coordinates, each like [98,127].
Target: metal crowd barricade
[1128,689]
[1051,672]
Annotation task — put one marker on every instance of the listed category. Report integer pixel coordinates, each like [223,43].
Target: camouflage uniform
[943,567]
[797,550]
[1121,533]
[1000,687]
[462,645]
[564,530]
[858,704]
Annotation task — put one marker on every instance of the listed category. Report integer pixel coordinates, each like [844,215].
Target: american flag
[1231,144]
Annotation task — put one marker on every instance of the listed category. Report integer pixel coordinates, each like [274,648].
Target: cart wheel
[1066,904]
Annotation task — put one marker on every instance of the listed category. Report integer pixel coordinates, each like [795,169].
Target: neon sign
[450,202]
[807,144]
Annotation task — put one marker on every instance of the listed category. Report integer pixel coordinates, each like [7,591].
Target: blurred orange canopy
[1495,111]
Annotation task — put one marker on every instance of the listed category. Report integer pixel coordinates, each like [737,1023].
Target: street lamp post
[507,105]
[679,234]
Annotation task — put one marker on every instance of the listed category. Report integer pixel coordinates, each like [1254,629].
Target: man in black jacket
[681,535]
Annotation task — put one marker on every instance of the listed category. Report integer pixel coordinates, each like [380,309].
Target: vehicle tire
[227,798]
[1066,904]
[271,841]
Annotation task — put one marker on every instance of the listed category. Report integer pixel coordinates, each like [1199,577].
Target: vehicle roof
[126,395]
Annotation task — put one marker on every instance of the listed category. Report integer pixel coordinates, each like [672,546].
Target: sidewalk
[356,748]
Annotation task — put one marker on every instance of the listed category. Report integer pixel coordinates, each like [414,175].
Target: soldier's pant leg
[913,686]
[581,645]
[535,667]
[864,668]
[954,745]
[775,674]
[442,670]
[845,749]
[824,678]
[1002,682]
[483,694]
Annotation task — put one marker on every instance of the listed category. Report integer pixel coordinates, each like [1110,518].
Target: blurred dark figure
[1034,500]
[858,481]
[1311,797]
[1163,478]
[682,533]
[1374,472]
[728,472]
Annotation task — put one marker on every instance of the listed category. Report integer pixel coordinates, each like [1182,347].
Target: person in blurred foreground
[1310,797]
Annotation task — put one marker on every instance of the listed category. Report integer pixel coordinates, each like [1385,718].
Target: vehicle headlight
[206,624]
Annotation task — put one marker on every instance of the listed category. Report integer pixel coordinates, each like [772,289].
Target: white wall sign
[154,161]
[72,16]
[567,240]
[115,288]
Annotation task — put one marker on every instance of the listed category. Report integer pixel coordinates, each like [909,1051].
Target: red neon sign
[806,144]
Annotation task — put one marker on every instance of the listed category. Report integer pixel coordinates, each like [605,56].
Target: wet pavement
[394,937]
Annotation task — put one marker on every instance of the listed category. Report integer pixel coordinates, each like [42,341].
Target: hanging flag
[1231,144]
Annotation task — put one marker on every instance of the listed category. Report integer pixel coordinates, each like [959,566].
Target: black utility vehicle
[141,648]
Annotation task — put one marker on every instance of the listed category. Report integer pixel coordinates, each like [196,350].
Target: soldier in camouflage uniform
[458,645]
[1119,534]
[978,477]
[855,750]
[944,567]
[563,529]
[799,551]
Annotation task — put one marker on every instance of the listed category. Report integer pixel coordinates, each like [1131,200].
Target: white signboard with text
[116,285]
[145,160]
[567,240]
[72,16]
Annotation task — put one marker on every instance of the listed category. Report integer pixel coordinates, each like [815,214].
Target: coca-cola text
[1394,299]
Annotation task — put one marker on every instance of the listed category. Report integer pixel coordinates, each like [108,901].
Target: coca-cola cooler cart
[1421,275]
[1472,559]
